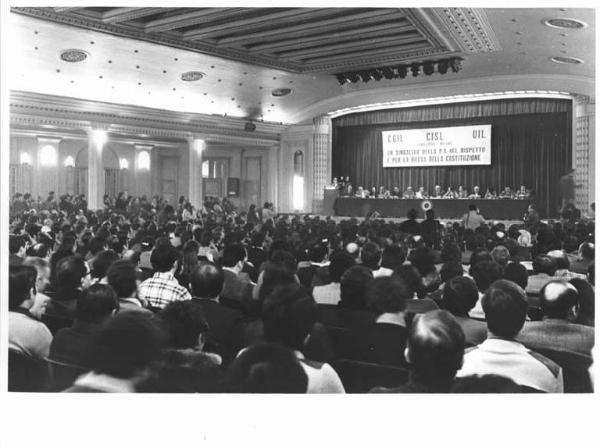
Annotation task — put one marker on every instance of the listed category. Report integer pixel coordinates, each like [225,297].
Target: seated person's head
[561,259]
[102,262]
[288,315]
[485,273]
[16,245]
[42,268]
[585,301]
[164,257]
[96,304]
[516,272]
[266,368]
[392,257]
[21,286]
[460,295]
[451,269]
[409,274]
[127,345]
[340,263]
[480,255]
[317,252]
[185,324]
[41,250]
[388,295]
[543,264]
[486,384]
[500,255]
[422,258]
[435,348]
[121,276]
[70,272]
[371,255]
[207,281]
[586,251]
[505,307]
[234,255]
[557,299]
[353,287]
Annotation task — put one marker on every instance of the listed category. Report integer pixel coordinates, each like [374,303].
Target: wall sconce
[70,162]
[25,159]
[124,164]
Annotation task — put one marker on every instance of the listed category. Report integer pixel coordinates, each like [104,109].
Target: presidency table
[443,208]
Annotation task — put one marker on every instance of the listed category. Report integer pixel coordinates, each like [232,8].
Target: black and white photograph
[207,202]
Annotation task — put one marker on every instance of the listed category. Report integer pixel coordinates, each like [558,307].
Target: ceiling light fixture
[566,60]
[192,76]
[282,92]
[565,24]
[73,55]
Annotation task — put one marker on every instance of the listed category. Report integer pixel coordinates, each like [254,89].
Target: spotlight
[414,68]
[353,77]
[341,79]
[456,64]
[443,66]
[387,72]
[402,70]
[365,76]
[428,68]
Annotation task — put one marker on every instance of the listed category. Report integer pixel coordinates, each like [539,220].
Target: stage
[496,209]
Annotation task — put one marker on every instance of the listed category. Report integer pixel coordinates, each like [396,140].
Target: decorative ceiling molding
[469,28]
[31,109]
[297,40]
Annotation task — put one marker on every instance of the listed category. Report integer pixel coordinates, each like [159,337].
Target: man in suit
[460,296]
[555,331]
[237,286]
[225,334]
[505,307]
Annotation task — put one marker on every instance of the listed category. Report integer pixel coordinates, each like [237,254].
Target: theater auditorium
[229,200]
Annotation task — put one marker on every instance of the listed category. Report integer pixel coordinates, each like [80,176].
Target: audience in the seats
[487,384]
[162,288]
[434,352]
[168,248]
[186,365]
[586,302]
[460,296]
[383,341]
[73,345]
[237,286]
[555,331]
[17,248]
[331,292]
[123,353]
[289,314]
[544,268]
[266,369]
[353,288]
[26,334]
[121,276]
[484,273]
[505,307]
[72,276]
[225,325]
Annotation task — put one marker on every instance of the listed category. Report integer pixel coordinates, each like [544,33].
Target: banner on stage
[452,146]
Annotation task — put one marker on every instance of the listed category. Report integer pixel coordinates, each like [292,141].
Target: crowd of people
[145,296]
[345,188]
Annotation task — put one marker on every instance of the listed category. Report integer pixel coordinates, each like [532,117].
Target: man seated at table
[450,194]
[361,193]
[437,192]
[506,193]
[475,194]
[462,193]
[409,193]
[523,193]
[396,192]
[490,193]
[421,194]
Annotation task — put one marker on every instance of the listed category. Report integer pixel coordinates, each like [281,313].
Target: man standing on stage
[567,188]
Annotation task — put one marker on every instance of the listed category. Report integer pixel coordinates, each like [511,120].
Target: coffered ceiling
[240,62]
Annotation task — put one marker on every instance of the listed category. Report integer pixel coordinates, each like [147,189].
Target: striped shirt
[161,289]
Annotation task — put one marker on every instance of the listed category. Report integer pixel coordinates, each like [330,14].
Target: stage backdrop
[530,145]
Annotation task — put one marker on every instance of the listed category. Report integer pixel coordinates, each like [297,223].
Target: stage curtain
[531,145]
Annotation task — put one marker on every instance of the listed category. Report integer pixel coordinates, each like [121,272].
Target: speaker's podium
[330,194]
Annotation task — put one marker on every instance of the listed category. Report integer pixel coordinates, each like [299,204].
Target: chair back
[361,377]
[26,374]
[576,369]
[62,375]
